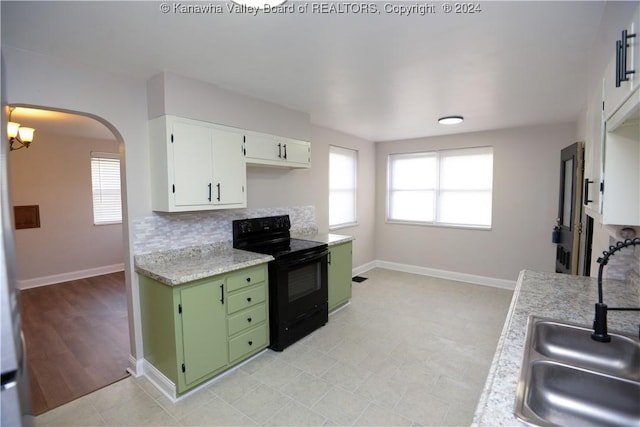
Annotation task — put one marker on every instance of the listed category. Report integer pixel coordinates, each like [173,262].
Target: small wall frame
[27,216]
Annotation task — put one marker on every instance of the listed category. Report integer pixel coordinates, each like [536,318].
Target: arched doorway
[69,267]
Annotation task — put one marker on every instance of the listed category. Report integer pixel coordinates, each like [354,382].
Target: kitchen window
[343,169]
[446,187]
[105,184]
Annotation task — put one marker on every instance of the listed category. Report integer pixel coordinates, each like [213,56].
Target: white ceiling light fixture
[259,4]
[450,120]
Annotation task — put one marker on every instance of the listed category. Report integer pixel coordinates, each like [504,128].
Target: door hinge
[179,308]
[184,369]
[172,138]
[602,105]
[173,188]
[602,186]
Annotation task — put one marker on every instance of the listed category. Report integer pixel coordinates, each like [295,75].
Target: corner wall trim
[443,274]
[72,275]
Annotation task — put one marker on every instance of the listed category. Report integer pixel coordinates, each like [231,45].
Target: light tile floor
[409,350]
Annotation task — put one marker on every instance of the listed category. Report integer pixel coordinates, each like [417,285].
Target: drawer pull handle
[248,279]
[250,342]
[249,320]
[249,299]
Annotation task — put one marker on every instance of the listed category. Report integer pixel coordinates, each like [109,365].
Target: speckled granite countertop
[328,238]
[557,296]
[179,266]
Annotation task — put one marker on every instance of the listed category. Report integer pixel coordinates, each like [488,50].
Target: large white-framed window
[446,187]
[105,185]
[343,172]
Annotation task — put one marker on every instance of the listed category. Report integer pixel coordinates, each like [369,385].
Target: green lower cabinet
[195,331]
[340,267]
[204,335]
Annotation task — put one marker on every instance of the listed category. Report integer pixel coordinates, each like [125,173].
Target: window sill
[340,226]
[440,225]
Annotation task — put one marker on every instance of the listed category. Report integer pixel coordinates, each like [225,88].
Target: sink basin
[563,395]
[568,379]
[573,345]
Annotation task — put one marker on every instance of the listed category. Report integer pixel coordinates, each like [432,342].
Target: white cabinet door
[615,96]
[593,157]
[192,153]
[264,149]
[229,174]
[298,152]
[261,147]
[195,165]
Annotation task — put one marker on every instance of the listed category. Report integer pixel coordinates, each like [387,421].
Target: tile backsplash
[623,263]
[164,231]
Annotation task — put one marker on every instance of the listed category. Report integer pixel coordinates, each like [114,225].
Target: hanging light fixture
[16,134]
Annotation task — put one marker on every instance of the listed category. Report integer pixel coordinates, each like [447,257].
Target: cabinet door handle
[285,151]
[222,294]
[218,186]
[249,320]
[621,58]
[209,191]
[250,342]
[585,192]
[279,151]
[249,299]
[248,279]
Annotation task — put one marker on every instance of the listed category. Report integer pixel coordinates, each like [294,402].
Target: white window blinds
[448,187]
[343,170]
[105,184]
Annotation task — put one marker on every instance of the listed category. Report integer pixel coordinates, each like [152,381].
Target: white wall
[525,206]
[55,173]
[117,101]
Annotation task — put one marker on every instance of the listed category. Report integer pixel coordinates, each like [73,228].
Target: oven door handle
[305,259]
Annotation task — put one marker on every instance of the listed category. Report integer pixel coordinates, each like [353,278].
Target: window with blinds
[343,170]
[447,187]
[105,184]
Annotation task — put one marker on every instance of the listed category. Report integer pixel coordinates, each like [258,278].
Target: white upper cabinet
[622,76]
[196,165]
[270,150]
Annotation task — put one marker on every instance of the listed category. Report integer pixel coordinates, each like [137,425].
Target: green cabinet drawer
[245,299]
[246,319]
[248,342]
[247,277]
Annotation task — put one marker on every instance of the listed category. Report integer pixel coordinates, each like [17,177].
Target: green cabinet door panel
[204,333]
[340,267]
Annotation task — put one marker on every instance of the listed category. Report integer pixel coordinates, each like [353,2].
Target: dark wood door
[569,209]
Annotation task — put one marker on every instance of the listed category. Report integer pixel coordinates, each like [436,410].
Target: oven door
[300,285]
[298,296]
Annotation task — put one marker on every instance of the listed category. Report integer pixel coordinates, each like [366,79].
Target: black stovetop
[270,235]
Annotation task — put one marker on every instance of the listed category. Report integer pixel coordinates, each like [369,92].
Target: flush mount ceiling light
[17,134]
[259,4]
[450,120]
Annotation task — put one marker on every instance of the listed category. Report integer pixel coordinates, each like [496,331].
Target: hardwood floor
[77,338]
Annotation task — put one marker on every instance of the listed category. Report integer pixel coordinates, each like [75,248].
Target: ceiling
[380,76]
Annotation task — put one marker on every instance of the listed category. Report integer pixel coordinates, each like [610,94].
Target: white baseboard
[158,379]
[136,367]
[72,275]
[445,274]
[168,388]
[364,267]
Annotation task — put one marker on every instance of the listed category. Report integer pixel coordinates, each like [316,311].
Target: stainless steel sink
[568,379]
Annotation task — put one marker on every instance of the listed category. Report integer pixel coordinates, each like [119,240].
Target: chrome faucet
[600,321]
